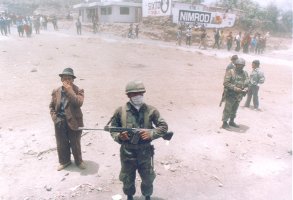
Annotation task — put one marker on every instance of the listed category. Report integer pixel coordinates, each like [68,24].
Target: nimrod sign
[202,18]
[194,16]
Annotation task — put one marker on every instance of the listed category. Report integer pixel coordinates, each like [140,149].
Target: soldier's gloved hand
[123,136]
[145,135]
[245,90]
[239,90]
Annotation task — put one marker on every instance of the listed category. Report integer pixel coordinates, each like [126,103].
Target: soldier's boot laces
[147,198]
[129,197]
[225,125]
[232,123]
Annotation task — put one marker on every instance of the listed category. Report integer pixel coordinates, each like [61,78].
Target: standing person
[130,30]
[3,26]
[78,26]
[137,114]
[253,44]
[37,25]
[217,38]
[203,38]
[19,25]
[45,22]
[232,63]
[95,25]
[235,87]
[179,36]
[238,41]
[222,38]
[54,22]
[67,117]
[229,39]
[188,36]
[256,78]
[136,30]
[246,42]
[9,23]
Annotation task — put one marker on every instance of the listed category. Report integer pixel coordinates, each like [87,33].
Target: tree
[272,13]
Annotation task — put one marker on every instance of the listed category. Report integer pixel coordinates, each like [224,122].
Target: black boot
[225,125]
[129,197]
[147,198]
[232,123]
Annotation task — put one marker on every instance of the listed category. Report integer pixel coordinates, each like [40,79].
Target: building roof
[80,5]
[107,3]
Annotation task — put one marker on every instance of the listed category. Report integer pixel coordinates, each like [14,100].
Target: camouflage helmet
[256,62]
[240,61]
[134,86]
[234,57]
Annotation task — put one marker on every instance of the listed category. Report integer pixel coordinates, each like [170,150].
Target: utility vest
[127,120]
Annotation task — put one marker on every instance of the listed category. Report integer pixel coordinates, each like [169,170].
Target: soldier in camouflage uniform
[137,114]
[235,85]
[256,77]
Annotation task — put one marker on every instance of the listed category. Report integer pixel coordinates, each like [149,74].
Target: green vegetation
[269,18]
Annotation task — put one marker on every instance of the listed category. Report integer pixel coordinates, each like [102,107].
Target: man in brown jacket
[67,117]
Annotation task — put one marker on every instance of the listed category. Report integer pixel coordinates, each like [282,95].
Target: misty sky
[282,4]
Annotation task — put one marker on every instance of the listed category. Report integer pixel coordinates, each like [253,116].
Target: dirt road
[202,161]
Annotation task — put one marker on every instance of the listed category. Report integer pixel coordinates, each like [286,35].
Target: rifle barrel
[84,128]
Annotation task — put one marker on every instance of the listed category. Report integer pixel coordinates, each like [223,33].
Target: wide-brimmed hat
[67,71]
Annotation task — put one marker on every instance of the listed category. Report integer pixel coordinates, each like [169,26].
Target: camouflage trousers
[137,157]
[231,107]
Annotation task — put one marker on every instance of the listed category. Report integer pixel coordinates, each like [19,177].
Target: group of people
[133,32]
[253,44]
[95,25]
[250,44]
[65,110]
[237,84]
[25,24]
[5,23]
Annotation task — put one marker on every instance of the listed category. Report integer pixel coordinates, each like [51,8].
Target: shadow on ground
[91,168]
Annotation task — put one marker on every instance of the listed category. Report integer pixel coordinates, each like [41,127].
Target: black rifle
[133,133]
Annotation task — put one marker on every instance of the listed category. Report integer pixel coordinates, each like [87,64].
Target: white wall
[116,17]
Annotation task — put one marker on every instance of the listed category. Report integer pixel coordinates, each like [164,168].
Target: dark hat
[234,57]
[67,71]
[256,62]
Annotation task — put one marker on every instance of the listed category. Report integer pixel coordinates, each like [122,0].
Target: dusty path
[201,162]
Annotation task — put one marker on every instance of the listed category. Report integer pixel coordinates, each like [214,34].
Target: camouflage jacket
[256,77]
[234,80]
[147,116]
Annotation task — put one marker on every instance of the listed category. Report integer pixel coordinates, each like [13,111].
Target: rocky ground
[201,162]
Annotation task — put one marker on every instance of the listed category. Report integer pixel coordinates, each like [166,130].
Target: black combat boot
[129,197]
[225,125]
[232,123]
[147,198]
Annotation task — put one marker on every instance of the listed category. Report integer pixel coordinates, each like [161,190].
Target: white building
[110,12]
[3,9]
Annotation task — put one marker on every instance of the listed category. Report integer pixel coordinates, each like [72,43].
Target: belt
[137,146]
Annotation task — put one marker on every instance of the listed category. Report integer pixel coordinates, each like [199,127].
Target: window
[106,10]
[124,11]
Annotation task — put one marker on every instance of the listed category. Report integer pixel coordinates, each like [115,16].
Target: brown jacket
[74,101]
